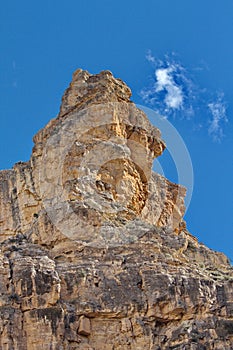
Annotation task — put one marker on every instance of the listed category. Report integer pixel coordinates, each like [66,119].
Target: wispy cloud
[165,82]
[171,90]
[217,109]
[173,93]
[150,57]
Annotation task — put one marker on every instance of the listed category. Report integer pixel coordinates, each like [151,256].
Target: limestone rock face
[94,252]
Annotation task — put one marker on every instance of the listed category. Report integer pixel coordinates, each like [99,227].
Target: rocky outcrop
[94,250]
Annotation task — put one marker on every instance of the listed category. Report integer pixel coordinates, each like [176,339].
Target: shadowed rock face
[94,251]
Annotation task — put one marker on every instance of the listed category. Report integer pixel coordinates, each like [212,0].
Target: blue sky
[177,53]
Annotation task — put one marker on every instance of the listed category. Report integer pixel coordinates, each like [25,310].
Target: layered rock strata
[94,252]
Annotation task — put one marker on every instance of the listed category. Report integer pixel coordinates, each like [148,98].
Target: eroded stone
[94,250]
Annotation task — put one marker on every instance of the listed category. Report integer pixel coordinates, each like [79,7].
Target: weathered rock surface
[94,252]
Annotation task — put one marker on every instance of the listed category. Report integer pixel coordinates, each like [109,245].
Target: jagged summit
[86,88]
[94,250]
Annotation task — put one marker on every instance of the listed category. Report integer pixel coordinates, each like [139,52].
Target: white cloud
[219,118]
[173,92]
[165,81]
[170,88]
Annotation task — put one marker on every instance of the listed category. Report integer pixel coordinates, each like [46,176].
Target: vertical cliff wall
[94,251]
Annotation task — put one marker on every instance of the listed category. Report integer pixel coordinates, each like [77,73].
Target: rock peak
[94,250]
[86,88]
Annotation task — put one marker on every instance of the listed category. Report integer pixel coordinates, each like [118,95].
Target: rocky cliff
[94,253]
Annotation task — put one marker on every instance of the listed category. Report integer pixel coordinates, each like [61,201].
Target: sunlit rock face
[94,250]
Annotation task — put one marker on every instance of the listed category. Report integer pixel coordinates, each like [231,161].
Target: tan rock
[84,326]
[94,251]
